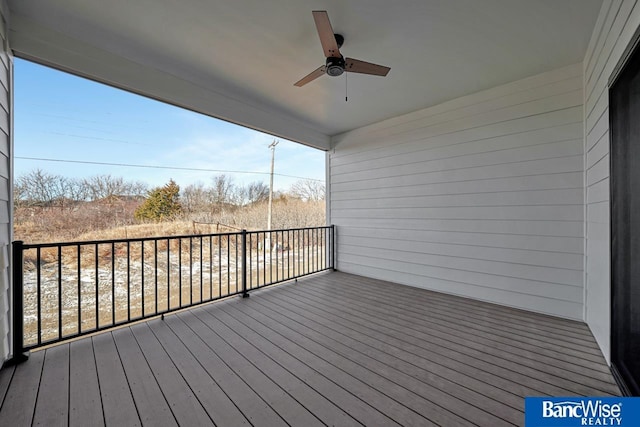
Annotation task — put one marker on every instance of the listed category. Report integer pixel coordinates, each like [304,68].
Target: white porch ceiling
[238,59]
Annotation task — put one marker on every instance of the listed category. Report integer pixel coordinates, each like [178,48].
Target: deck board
[52,405]
[314,403]
[525,334]
[422,399]
[488,341]
[20,401]
[117,401]
[429,345]
[556,358]
[579,344]
[331,349]
[392,322]
[333,394]
[559,357]
[186,408]
[6,375]
[262,380]
[216,403]
[415,377]
[252,406]
[85,405]
[150,402]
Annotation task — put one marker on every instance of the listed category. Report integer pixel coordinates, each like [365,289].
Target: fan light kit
[336,64]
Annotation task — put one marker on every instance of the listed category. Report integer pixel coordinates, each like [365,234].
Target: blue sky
[60,116]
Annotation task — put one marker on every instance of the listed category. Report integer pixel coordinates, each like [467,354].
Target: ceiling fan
[336,64]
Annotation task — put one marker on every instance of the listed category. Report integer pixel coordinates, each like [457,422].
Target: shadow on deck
[333,349]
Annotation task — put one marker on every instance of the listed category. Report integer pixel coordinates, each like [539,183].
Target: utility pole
[272,146]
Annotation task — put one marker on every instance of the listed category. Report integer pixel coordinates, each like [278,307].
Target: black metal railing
[65,290]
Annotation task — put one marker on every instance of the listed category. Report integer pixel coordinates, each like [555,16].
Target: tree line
[39,188]
[45,189]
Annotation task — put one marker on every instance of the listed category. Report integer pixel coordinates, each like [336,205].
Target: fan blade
[327,38]
[357,66]
[311,76]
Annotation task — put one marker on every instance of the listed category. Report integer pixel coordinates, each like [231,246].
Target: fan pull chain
[346,89]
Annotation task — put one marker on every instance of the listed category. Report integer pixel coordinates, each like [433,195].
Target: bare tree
[42,188]
[224,191]
[107,187]
[308,190]
[255,192]
[20,193]
[76,190]
[196,198]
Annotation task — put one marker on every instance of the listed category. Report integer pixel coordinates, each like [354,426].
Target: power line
[129,165]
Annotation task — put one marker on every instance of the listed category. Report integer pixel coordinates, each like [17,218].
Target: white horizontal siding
[482,196]
[616,24]
[6,69]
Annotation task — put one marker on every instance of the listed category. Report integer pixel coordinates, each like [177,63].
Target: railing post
[18,304]
[245,292]
[333,247]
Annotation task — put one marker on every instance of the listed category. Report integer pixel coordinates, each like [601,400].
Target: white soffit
[238,59]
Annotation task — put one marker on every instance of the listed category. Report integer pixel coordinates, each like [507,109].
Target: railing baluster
[97,290]
[39,294]
[288,254]
[333,245]
[245,294]
[142,274]
[18,302]
[190,271]
[79,291]
[201,284]
[113,283]
[168,274]
[279,270]
[210,267]
[320,250]
[59,292]
[327,243]
[128,281]
[180,272]
[309,243]
[324,245]
[155,263]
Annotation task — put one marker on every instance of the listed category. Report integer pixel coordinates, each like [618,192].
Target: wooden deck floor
[333,349]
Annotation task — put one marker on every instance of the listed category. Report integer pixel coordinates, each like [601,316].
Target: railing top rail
[290,229]
[151,239]
[134,239]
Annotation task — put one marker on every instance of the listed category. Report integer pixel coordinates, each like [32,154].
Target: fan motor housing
[335,66]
